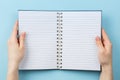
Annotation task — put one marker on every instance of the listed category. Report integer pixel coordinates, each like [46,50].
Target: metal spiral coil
[59,39]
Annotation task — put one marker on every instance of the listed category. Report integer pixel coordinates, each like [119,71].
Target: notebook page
[40,44]
[79,47]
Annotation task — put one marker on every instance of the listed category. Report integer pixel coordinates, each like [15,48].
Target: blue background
[110,21]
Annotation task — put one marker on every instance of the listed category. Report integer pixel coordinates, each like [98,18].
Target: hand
[105,50]
[105,56]
[15,48]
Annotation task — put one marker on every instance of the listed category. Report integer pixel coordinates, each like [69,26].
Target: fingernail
[97,38]
[23,34]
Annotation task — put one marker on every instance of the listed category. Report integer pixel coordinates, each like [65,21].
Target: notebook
[60,39]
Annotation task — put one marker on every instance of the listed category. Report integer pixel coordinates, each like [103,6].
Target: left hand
[15,48]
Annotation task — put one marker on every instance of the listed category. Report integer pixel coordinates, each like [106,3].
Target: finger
[99,43]
[22,39]
[14,32]
[105,37]
[106,41]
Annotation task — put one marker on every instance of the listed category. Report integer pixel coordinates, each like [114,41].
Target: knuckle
[98,43]
[102,51]
[9,42]
[22,47]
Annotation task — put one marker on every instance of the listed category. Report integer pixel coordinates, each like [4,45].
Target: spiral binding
[59,39]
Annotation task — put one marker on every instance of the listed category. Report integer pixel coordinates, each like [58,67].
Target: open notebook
[60,39]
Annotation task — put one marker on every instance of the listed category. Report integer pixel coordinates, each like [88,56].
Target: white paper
[40,45]
[79,32]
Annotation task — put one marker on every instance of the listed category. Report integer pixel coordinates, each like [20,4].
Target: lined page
[79,47]
[40,43]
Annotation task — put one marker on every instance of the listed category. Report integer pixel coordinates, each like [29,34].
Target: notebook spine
[59,39]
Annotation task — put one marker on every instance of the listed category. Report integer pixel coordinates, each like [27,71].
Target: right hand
[105,51]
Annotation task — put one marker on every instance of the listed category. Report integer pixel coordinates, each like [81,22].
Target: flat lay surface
[110,22]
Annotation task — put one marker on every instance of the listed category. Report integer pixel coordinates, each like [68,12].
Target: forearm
[106,73]
[12,72]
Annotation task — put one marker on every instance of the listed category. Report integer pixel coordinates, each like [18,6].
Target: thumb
[22,39]
[99,43]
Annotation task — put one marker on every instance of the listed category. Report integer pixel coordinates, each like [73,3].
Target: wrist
[106,73]
[107,68]
[12,67]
